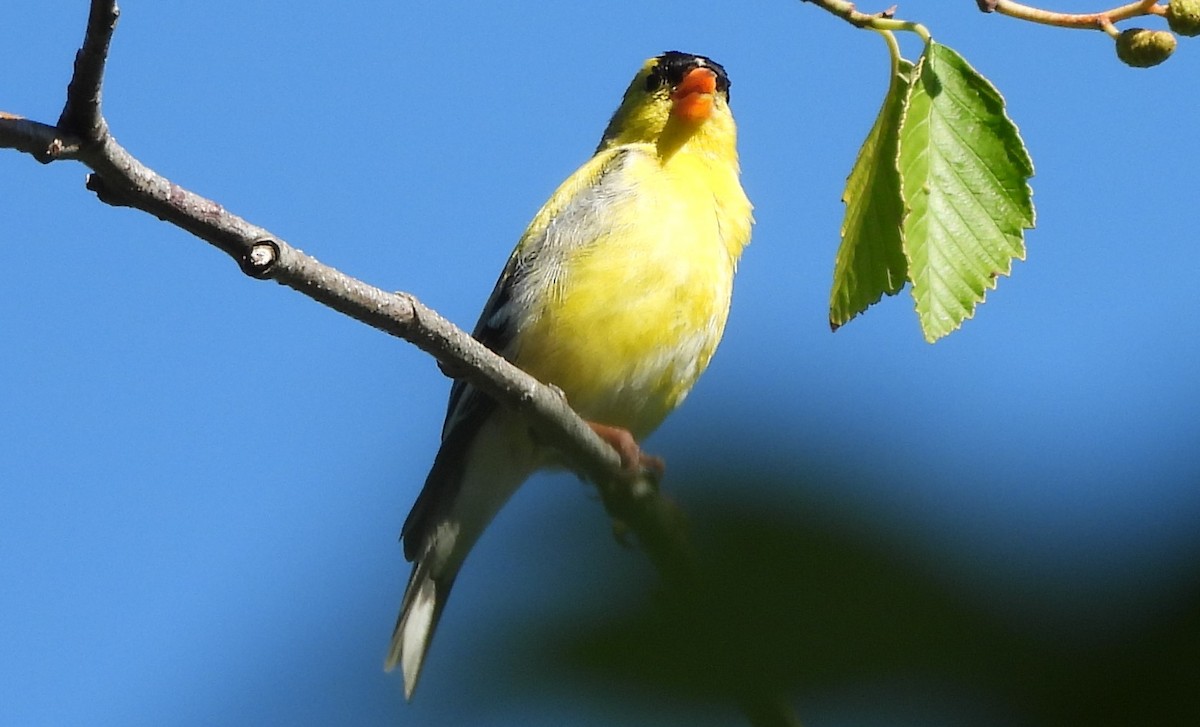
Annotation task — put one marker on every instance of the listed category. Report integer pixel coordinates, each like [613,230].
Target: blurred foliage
[813,603]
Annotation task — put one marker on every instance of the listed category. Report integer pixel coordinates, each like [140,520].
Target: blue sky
[203,476]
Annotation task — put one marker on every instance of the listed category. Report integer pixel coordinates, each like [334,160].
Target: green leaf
[964,175]
[870,260]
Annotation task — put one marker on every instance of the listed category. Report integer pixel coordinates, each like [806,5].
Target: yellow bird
[617,294]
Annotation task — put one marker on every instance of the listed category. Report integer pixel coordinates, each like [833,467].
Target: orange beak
[693,96]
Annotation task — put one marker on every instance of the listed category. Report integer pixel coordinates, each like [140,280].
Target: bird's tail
[474,474]
[424,600]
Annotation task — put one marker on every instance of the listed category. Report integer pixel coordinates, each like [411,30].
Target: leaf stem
[890,24]
[893,51]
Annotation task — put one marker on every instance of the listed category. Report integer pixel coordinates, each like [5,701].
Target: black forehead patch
[673,65]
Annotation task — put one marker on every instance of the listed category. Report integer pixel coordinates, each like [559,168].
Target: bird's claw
[634,462]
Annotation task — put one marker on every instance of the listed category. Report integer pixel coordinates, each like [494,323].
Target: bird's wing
[574,216]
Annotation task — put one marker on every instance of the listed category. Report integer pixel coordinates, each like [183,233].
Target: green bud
[1143,48]
[1184,17]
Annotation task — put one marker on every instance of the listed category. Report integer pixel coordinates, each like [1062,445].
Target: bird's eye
[655,80]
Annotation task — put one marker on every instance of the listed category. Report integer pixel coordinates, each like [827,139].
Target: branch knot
[260,258]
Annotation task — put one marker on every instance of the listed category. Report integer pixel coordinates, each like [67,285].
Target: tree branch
[884,20]
[81,113]
[41,141]
[848,12]
[1103,20]
[1084,21]
[120,179]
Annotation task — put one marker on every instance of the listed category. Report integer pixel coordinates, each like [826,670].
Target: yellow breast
[626,322]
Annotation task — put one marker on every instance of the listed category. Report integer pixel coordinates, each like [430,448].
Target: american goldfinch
[617,294]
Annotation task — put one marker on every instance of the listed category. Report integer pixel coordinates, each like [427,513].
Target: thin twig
[882,20]
[81,114]
[41,141]
[848,12]
[1083,21]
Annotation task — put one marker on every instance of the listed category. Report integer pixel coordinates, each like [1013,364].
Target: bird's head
[674,97]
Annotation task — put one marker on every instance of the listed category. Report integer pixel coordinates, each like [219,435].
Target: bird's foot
[634,461]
